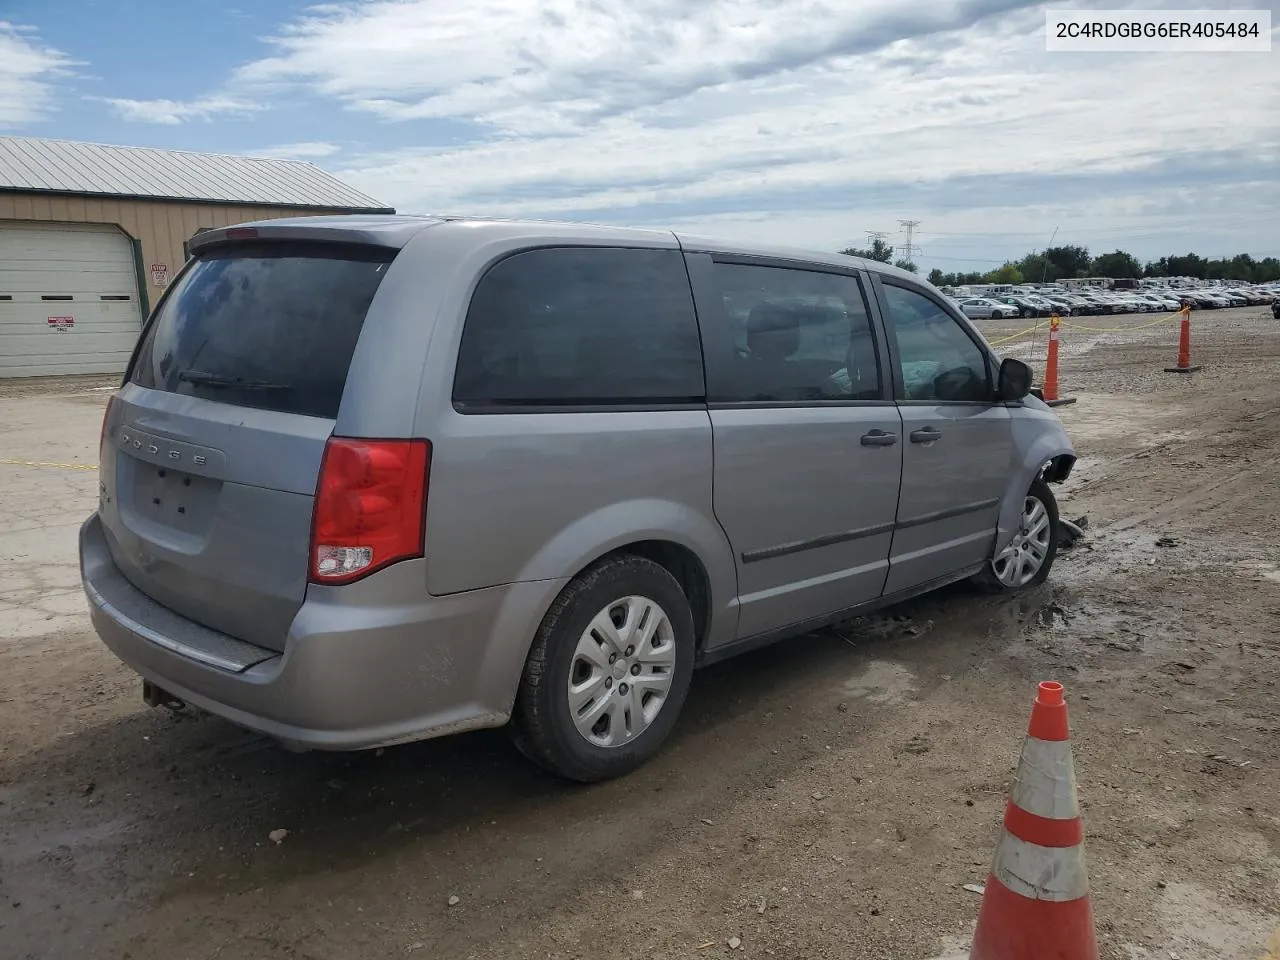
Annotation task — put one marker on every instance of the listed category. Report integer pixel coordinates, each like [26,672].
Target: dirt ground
[826,798]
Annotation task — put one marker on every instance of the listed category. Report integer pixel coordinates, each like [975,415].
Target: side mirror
[1015,380]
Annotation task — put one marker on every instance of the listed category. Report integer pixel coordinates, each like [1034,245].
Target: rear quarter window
[271,325]
[580,326]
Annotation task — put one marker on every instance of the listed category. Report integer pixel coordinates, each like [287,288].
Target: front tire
[608,672]
[1029,557]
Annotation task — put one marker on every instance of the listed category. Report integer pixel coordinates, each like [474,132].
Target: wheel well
[683,564]
[1059,468]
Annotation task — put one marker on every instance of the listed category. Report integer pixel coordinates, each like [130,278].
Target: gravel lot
[824,798]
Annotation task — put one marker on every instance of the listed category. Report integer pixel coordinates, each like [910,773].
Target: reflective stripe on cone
[1056,874]
[1046,782]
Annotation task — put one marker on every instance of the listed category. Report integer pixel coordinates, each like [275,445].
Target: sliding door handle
[879,438]
[925,435]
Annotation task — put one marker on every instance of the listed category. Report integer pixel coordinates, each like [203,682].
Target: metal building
[90,236]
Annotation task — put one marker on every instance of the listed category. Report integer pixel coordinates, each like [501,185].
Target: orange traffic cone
[1036,905]
[1051,362]
[1184,345]
[1050,389]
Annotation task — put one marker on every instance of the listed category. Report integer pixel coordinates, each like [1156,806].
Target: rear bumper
[366,665]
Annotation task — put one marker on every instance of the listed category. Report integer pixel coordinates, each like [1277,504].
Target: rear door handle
[925,435]
[879,438]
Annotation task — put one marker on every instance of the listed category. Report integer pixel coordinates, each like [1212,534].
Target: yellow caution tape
[1080,326]
[44,463]
[1020,333]
[1137,326]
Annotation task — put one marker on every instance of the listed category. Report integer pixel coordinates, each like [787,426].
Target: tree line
[879,250]
[1059,263]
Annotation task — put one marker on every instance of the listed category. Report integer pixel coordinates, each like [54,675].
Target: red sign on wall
[61,323]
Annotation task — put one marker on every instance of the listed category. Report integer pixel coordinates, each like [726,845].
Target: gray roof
[63,166]
[398,230]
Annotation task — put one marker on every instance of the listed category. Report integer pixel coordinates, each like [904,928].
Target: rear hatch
[214,444]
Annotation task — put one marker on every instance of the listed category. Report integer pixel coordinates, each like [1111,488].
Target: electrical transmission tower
[909,249]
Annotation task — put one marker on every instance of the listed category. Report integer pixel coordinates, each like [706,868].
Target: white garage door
[68,299]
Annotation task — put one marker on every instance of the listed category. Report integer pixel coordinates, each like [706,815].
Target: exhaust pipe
[154,696]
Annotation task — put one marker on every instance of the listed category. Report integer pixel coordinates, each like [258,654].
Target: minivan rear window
[266,325]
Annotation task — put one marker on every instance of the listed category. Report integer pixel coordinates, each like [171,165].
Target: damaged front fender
[1041,449]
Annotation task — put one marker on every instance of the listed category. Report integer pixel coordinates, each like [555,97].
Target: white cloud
[592,106]
[527,66]
[986,107]
[27,72]
[817,118]
[174,112]
[310,150]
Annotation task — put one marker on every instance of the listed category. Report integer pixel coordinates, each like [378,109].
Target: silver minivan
[375,479]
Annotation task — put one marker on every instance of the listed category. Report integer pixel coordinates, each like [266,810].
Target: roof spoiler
[374,231]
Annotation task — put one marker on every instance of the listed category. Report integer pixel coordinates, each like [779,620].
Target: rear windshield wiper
[205,379]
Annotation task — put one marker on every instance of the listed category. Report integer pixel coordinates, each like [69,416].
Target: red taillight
[371,504]
[242,233]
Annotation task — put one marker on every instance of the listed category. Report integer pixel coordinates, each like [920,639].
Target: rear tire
[1026,562]
[608,672]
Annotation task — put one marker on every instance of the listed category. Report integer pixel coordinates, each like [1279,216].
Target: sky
[802,122]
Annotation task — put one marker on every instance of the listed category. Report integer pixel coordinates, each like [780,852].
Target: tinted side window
[268,325]
[581,326]
[797,336]
[939,360]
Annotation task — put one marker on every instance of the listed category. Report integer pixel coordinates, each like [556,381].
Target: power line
[1015,259]
[968,259]
[980,233]
[909,248]
[1109,234]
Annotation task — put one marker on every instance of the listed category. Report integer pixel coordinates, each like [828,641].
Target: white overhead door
[68,299]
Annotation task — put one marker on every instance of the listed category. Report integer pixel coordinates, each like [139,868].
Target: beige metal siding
[162,226]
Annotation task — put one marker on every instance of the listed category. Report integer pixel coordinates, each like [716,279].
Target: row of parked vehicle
[1213,298]
[1099,302]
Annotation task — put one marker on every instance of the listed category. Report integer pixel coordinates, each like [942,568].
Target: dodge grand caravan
[375,479]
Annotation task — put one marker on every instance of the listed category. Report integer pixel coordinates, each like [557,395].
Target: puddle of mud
[1115,555]
[883,683]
